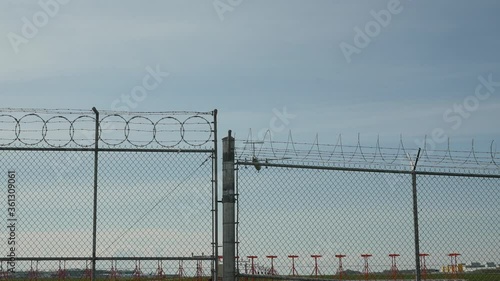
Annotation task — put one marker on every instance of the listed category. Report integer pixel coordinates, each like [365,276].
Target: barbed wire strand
[110,112]
[269,149]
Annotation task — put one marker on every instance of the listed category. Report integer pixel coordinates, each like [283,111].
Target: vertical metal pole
[415,217]
[215,250]
[228,201]
[237,219]
[96,162]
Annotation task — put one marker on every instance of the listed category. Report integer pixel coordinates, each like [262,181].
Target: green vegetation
[485,275]
[119,278]
[479,275]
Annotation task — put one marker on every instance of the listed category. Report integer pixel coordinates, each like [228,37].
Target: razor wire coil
[339,154]
[59,131]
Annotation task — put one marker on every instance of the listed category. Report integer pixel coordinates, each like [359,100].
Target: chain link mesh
[460,215]
[156,194]
[313,212]
[307,211]
[53,203]
[154,204]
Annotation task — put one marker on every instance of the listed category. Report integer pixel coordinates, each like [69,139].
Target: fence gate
[315,211]
[140,201]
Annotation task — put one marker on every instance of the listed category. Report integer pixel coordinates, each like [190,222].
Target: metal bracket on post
[228,205]
[415,216]
[96,162]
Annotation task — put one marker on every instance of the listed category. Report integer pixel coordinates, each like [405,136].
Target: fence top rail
[463,159]
[107,112]
[152,258]
[373,170]
[65,128]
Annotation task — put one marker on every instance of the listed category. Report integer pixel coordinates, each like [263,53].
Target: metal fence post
[215,191]
[96,162]
[415,216]
[228,201]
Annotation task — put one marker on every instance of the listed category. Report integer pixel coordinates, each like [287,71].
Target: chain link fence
[337,212]
[460,215]
[142,203]
[151,179]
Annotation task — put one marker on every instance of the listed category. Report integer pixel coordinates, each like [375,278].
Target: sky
[388,67]
[258,60]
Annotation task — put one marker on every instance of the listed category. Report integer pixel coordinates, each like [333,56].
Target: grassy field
[119,278]
[492,275]
[466,276]
[471,276]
